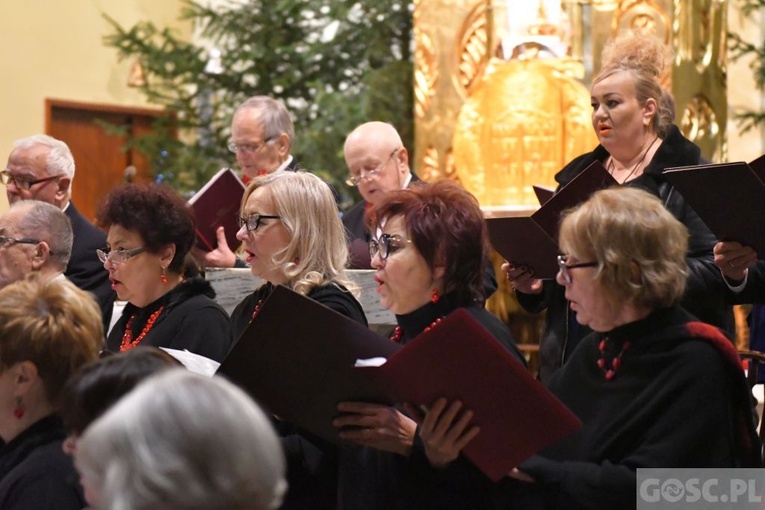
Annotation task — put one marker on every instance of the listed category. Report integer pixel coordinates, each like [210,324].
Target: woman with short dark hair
[429,247]
[151,230]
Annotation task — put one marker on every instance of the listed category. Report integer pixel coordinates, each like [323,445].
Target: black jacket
[190,320]
[36,474]
[84,269]
[705,294]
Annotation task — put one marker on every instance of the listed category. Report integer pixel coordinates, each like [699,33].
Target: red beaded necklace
[256,311]
[398,332]
[616,361]
[127,338]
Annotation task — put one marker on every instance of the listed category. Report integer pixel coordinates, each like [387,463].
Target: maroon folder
[729,198]
[215,205]
[301,369]
[533,240]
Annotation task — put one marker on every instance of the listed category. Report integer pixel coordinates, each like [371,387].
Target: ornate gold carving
[471,50]
[428,170]
[425,73]
[522,123]
[700,123]
[644,15]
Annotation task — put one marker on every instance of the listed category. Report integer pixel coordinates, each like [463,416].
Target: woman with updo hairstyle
[151,230]
[633,118]
[653,386]
[429,249]
[182,441]
[48,330]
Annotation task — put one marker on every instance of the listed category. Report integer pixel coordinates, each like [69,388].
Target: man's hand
[732,258]
[222,256]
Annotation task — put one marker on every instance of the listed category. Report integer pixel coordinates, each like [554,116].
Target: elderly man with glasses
[378,163]
[41,167]
[262,133]
[34,236]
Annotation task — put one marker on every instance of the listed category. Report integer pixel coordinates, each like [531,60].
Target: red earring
[18,412]
[434,297]
[162,277]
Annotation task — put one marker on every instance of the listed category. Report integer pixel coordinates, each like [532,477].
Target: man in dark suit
[378,163]
[42,168]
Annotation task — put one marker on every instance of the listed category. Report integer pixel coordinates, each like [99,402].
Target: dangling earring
[162,277]
[18,412]
[434,297]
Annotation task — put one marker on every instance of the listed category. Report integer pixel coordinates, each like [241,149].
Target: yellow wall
[54,49]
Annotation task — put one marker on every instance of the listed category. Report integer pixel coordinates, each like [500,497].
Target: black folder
[533,240]
[729,198]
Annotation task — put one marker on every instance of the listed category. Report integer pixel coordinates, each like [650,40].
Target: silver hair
[60,160]
[45,222]
[182,441]
[273,114]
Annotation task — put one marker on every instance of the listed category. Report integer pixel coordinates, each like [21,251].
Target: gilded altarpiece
[499,122]
[457,45]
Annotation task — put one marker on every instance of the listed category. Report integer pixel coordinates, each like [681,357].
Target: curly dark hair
[156,212]
[447,227]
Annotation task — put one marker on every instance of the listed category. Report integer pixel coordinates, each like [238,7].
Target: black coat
[678,399]
[705,294]
[36,474]
[84,269]
[190,320]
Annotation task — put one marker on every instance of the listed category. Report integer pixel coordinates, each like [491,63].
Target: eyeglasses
[252,222]
[116,257]
[6,177]
[354,180]
[17,240]
[250,148]
[386,245]
[565,269]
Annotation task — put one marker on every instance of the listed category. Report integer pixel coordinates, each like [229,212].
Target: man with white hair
[378,163]
[34,236]
[41,167]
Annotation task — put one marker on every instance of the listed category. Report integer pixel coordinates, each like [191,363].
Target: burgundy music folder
[217,204]
[533,240]
[729,198]
[301,369]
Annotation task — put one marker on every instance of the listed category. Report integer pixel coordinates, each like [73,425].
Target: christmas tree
[335,64]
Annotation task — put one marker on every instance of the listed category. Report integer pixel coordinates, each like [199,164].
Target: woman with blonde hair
[633,118]
[293,236]
[48,330]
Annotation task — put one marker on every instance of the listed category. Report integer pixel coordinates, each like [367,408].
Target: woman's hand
[732,258]
[522,278]
[445,432]
[381,427]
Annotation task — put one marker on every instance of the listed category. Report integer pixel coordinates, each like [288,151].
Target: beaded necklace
[127,337]
[398,332]
[256,311]
[616,361]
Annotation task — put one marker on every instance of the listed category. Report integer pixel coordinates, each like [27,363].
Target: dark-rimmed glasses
[250,148]
[6,177]
[386,245]
[565,268]
[354,180]
[252,222]
[17,240]
[116,257]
